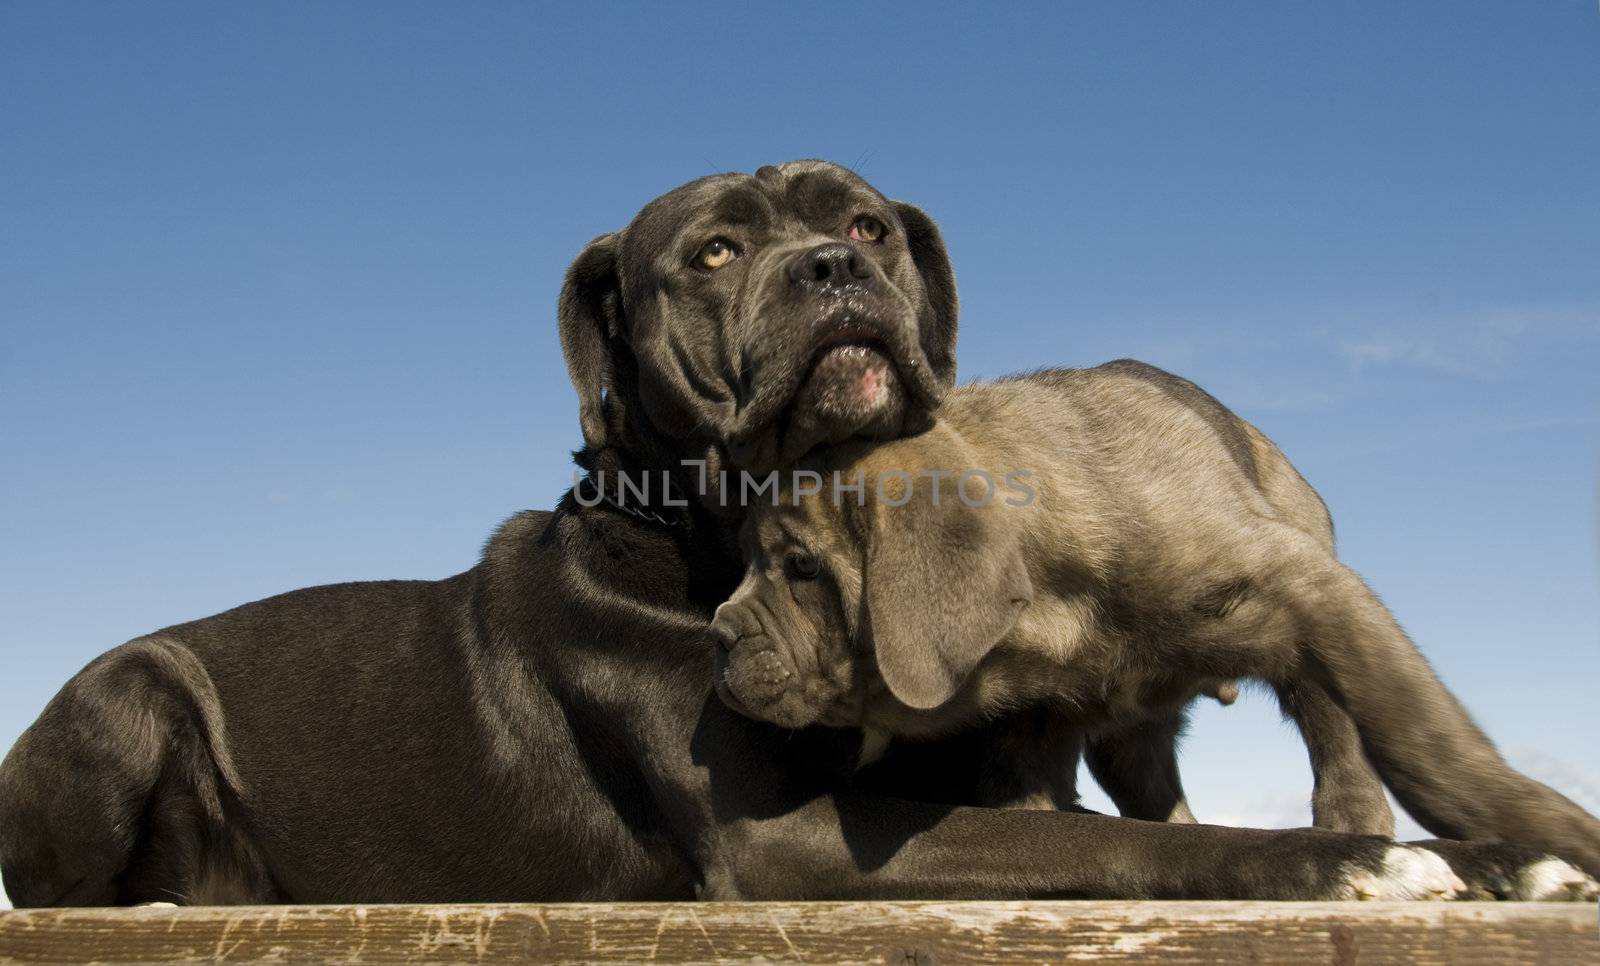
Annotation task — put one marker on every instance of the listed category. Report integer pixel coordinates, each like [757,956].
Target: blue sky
[277,284]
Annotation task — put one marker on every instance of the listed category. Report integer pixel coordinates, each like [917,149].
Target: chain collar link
[586,489]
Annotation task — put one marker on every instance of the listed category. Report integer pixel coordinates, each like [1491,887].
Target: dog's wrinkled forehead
[795,196]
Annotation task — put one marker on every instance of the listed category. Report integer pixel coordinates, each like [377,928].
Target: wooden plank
[856,932]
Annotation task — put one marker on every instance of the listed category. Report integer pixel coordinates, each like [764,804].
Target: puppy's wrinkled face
[786,651]
[874,608]
[771,312]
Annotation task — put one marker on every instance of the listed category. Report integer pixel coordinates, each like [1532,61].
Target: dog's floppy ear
[590,311]
[939,282]
[944,584]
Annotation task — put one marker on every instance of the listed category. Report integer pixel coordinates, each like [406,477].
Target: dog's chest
[1066,659]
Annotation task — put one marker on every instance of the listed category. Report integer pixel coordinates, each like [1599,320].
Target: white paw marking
[1407,873]
[1552,880]
[155,905]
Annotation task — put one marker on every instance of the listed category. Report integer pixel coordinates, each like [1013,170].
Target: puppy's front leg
[1137,767]
[1029,760]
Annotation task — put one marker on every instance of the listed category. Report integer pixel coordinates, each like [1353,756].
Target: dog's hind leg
[116,793]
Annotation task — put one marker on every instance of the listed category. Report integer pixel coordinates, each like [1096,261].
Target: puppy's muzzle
[751,673]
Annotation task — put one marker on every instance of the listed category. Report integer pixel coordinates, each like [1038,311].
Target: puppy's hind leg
[1346,794]
[107,798]
[1440,766]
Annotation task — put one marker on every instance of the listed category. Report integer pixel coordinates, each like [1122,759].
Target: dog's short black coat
[542,727]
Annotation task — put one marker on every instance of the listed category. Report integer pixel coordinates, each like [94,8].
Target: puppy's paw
[1405,873]
[1500,870]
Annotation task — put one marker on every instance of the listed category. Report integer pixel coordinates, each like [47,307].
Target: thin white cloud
[1273,811]
[1481,346]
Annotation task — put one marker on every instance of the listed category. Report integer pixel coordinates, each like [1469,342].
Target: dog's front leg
[850,845]
[763,814]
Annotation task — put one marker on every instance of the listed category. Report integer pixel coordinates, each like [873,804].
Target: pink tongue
[872,385]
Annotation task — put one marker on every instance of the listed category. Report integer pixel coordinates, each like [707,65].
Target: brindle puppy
[1136,542]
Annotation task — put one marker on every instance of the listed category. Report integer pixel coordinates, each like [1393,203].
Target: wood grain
[834,932]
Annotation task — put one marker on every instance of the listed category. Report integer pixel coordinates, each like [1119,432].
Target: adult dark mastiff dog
[542,726]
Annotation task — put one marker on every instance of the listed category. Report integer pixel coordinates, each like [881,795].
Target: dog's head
[856,598]
[743,319]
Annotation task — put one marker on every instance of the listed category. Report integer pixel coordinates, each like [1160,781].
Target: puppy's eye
[802,566]
[715,253]
[867,229]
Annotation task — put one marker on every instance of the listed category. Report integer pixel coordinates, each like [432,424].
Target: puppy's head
[743,319]
[860,605]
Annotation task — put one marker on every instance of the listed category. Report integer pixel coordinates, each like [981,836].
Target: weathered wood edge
[866,932]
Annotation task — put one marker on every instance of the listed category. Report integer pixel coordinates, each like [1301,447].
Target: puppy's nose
[831,264]
[721,632]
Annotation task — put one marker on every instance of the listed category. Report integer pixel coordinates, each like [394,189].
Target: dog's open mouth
[863,377]
[852,376]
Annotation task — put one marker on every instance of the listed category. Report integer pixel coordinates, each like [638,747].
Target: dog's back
[1129,412]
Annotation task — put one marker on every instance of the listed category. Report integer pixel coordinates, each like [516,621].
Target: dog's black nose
[832,264]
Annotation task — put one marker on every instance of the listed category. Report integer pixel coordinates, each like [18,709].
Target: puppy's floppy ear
[944,584]
[590,311]
[939,282]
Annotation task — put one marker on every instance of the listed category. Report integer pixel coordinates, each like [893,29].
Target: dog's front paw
[1403,873]
[1554,880]
[1500,870]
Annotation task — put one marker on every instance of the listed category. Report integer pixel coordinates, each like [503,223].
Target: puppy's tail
[77,789]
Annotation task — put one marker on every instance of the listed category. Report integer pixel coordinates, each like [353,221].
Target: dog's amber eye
[867,229]
[715,253]
[802,566]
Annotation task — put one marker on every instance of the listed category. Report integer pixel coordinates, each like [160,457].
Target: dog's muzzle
[839,355]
